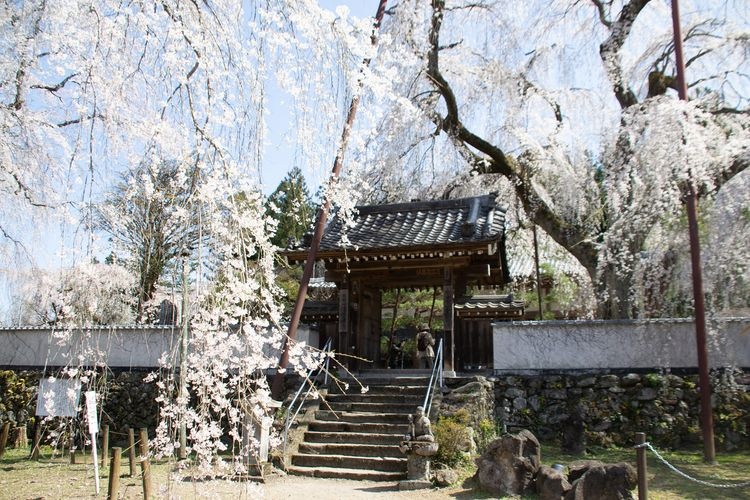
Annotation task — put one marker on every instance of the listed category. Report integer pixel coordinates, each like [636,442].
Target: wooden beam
[419,264]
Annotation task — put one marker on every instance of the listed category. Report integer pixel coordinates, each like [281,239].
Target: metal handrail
[435,377]
[307,381]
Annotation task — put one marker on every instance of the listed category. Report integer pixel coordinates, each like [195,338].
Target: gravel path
[282,487]
[296,487]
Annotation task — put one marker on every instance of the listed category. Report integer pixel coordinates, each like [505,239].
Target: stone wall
[129,400]
[611,408]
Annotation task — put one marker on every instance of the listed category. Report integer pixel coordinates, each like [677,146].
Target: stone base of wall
[129,401]
[608,409]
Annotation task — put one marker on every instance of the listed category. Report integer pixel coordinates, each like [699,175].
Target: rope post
[145,465]
[146,473]
[71,447]
[640,453]
[114,474]
[143,436]
[37,441]
[4,438]
[105,445]
[131,452]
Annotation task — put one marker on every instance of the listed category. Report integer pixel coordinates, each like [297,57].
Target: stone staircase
[356,436]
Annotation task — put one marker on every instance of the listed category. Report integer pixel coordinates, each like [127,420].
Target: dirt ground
[290,487]
[26,480]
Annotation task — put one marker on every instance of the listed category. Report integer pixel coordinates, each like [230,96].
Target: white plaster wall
[573,345]
[115,347]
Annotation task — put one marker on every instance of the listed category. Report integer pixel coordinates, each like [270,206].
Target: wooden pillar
[449,341]
[359,329]
[343,337]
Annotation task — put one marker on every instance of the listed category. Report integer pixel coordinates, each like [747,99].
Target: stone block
[509,464]
[411,485]
[551,484]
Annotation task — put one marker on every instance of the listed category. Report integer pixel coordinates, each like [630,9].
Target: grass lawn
[663,483]
[54,477]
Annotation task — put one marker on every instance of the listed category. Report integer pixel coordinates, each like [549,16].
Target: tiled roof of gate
[489,302]
[426,224]
[489,306]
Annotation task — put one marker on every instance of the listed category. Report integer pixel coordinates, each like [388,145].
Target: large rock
[509,464]
[551,484]
[577,469]
[445,477]
[605,482]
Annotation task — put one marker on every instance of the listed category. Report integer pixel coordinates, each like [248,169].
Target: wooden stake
[131,452]
[4,438]
[105,445]
[114,474]
[640,439]
[21,440]
[146,475]
[143,445]
[71,443]
[37,439]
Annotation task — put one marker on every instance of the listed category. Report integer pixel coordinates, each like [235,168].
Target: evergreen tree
[291,206]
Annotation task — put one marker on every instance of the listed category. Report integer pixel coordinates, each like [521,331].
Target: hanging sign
[58,397]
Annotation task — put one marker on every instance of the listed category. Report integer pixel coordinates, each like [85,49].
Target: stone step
[382,464]
[341,473]
[368,407]
[415,399]
[354,437]
[351,450]
[361,417]
[359,427]
[402,375]
[389,388]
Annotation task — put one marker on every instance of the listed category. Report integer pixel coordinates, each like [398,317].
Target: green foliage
[452,434]
[653,380]
[288,279]
[486,433]
[292,208]
[413,309]
[16,397]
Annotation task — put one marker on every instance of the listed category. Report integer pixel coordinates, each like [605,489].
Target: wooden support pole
[4,438]
[320,222]
[71,444]
[640,440]
[699,306]
[131,452]
[105,445]
[143,444]
[37,440]
[114,474]
[21,440]
[146,476]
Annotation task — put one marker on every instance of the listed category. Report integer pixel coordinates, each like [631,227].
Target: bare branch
[56,87]
[609,51]
[493,160]
[602,13]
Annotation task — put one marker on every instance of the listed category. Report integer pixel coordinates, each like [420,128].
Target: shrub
[452,434]
[486,434]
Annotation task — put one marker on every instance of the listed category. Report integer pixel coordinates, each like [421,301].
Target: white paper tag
[91,412]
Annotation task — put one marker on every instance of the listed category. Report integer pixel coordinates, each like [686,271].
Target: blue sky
[277,158]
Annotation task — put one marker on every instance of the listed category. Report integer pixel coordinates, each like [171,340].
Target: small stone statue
[419,439]
[419,444]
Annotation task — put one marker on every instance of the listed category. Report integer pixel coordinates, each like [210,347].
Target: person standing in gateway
[425,352]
